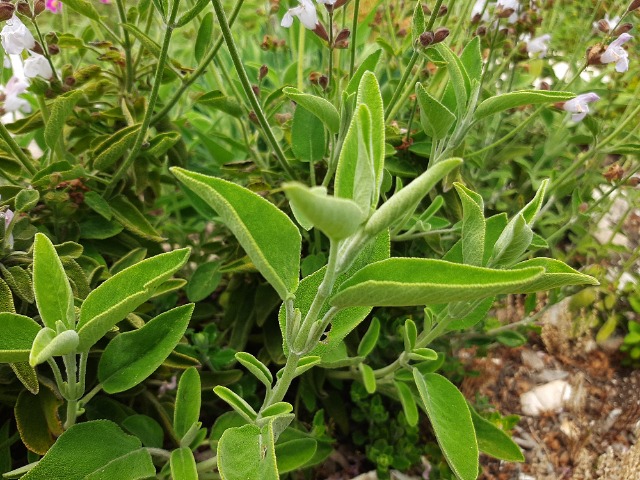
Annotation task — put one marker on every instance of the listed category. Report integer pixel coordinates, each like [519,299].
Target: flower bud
[634,181]
[37,48]
[504,12]
[253,117]
[594,53]
[633,5]
[321,32]
[264,70]
[39,6]
[603,25]
[256,90]
[314,78]
[443,11]
[323,81]
[51,37]
[24,8]
[53,49]
[624,28]
[6,11]
[481,31]
[342,37]
[426,38]
[440,34]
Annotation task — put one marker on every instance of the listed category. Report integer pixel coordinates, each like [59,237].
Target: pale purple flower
[616,53]
[539,45]
[579,106]
[37,65]
[16,37]
[8,216]
[12,101]
[306,13]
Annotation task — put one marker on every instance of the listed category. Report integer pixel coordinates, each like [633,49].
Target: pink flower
[54,6]
[615,53]
[579,106]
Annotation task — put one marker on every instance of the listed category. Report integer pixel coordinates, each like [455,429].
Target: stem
[354,30]
[398,91]
[300,66]
[94,391]
[246,85]
[284,382]
[127,47]
[207,465]
[152,102]
[45,52]
[330,49]
[188,81]
[72,383]
[16,150]
[57,374]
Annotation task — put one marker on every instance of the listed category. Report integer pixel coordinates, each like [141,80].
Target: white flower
[615,53]
[579,106]
[306,13]
[327,2]
[480,7]
[12,102]
[16,37]
[539,45]
[37,65]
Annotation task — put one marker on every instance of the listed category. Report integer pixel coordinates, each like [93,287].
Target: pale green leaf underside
[269,237]
[519,98]
[415,281]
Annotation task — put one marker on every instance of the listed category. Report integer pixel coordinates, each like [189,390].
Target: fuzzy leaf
[436,119]
[133,356]
[409,406]
[18,334]
[256,367]
[269,237]
[519,98]
[188,400]
[494,441]
[247,452]
[59,110]
[318,106]
[183,464]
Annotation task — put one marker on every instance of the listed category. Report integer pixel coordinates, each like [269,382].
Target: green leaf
[512,243]
[147,42]
[368,65]
[18,334]
[457,76]
[409,406]
[416,281]
[318,106]
[356,171]
[146,429]
[256,367]
[114,147]
[83,8]
[368,378]
[161,144]
[247,452]
[308,139]
[107,453]
[183,465]
[494,441]
[98,204]
[203,39]
[370,338]
[417,25]
[26,200]
[112,301]
[436,119]
[188,400]
[531,209]
[306,363]
[269,237]
[216,99]
[48,344]
[473,225]
[132,356]
[6,298]
[336,217]
[236,402]
[451,421]
[556,274]
[423,355]
[471,58]
[204,281]
[133,220]
[519,98]
[59,110]
[192,13]
[277,409]
[409,334]
[27,376]
[295,454]
[37,419]
[407,199]
[51,285]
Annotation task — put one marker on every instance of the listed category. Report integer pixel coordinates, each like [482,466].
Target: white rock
[544,398]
